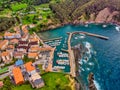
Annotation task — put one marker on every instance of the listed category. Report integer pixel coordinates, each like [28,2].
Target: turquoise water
[104,56]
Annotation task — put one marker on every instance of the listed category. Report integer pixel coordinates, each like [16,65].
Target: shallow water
[104,57]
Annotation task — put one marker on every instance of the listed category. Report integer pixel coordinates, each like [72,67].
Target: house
[1,84]
[33,44]
[18,55]
[33,55]
[30,68]
[18,77]
[25,37]
[34,39]
[25,29]
[3,44]
[43,49]
[36,80]
[23,49]
[10,48]
[14,41]
[6,56]
[9,35]
[34,49]
[23,43]
[19,62]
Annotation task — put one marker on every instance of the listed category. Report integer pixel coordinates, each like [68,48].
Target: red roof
[29,67]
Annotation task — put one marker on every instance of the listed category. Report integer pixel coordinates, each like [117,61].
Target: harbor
[91,63]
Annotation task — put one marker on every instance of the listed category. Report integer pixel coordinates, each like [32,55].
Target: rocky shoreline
[77,23]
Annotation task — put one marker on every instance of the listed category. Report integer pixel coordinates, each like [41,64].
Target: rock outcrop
[106,15]
[91,82]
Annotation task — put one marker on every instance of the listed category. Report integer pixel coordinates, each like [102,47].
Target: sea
[103,56]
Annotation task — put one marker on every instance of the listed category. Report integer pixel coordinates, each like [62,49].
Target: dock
[71,57]
[64,50]
[90,34]
[52,39]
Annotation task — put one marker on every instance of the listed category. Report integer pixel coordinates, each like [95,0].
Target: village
[18,45]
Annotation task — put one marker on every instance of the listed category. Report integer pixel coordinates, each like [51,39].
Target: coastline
[78,23]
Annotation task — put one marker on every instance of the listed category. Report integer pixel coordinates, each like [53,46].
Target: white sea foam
[82,69]
[117,28]
[104,26]
[88,52]
[88,69]
[87,45]
[84,61]
[97,85]
[80,62]
[90,63]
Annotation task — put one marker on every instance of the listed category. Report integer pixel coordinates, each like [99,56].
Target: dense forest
[69,10]
[6,23]
[57,12]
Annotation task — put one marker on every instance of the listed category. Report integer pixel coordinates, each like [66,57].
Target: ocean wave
[85,61]
[88,69]
[97,85]
[80,62]
[87,45]
[117,28]
[82,69]
[90,63]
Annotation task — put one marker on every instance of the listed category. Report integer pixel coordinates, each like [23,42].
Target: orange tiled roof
[45,49]
[32,54]
[24,28]
[34,48]
[11,46]
[8,34]
[34,39]
[5,53]
[29,66]
[18,77]
[14,41]
[3,43]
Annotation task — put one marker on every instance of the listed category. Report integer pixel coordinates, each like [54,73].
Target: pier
[52,39]
[71,57]
[90,34]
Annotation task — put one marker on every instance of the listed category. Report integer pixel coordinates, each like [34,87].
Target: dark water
[104,56]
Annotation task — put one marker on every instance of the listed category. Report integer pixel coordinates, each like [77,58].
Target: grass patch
[55,81]
[18,6]
[3,70]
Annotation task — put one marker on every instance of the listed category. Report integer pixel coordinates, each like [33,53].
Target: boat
[59,67]
[63,55]
[62,62]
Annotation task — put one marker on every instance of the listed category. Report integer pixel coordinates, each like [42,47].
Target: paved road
[8,73]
